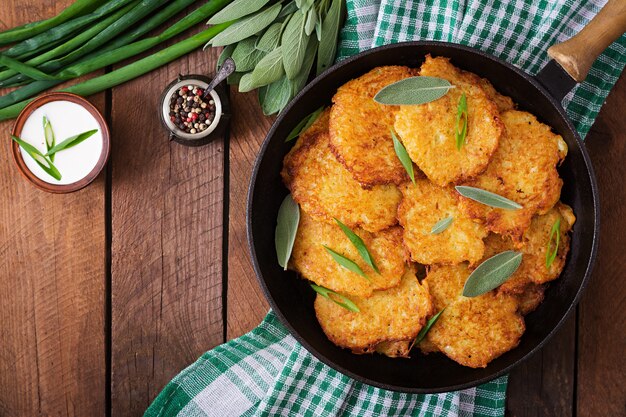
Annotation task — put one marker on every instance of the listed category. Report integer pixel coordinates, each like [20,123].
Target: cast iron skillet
[292,298]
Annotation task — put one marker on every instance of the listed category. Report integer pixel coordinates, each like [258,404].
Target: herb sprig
[48,133]
[286,229]
[345,301]
[492,273]
[413,90]
[487,198]
[276,44]
[39,158]
[555,236]
[441,225]
[304,124]
[403,155]
[359,245]
[430,323]
[460,128]
[347,263]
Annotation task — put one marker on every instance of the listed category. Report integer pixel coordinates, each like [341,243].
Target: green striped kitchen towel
[266,372]
[517,31]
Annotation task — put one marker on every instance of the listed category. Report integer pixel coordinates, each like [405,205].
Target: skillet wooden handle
[577,54]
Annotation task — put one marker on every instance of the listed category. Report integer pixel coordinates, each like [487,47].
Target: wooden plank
[52,282]
[246,303]
[166,243]
[602,325]
[544,385]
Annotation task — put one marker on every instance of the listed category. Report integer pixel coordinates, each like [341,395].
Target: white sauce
[67,119]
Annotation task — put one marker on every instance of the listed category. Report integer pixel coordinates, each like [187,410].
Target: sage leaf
[246,27]
[492,273]
[345,301]
[413,90]
[330,31]
[311,21]
[487,198]
[71,142]
[227,52]
[347,263]
[461,122]
[359,245]
[300,80]
[286,229]
[39,158]
[441,225]
[269,69]
[304,5]
[235,78]
[403,156]
[289,9]
[274,97]
[293,44]
[246,56]
[555,236]
[304,124]
[270,39]
[236,10]
[49,136]
[430,323]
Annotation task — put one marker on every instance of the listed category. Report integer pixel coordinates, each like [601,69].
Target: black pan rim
[399,388]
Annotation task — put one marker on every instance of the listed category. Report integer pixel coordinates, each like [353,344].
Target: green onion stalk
[31,29]
[63,49]
[102,60]
[141,10]
[40,42]
[131,71]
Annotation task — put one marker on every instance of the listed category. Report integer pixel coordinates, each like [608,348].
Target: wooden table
[107,293]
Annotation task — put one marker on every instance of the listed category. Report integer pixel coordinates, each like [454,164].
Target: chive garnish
[347,263]
[487,198]
[555,231]
[359,245]
[431,322]
[460,128]
[403,155]
[441,225]
[345,302]
[71,142]
[39,158]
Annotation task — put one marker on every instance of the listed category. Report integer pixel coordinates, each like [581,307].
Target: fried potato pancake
[314,263]
[503,102]
[423,204]
[395,314]
[523,169]
[530,298]
[533,268]
[396,349]
[326,190]
[470,331]
[359,128]
[428,130]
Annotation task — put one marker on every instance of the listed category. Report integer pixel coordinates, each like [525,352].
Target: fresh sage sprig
[430,323]
[460,128]
[413,90]
[359,245]
[49,136]
[70,142]
[39,158]
[274,47]
[286,229]
[304,124]
[403,155]
[492,273]
[487,198]
[441,225]
[347,263]
[555,236]
[345,301]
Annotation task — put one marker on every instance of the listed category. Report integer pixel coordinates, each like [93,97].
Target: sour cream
[67,119]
